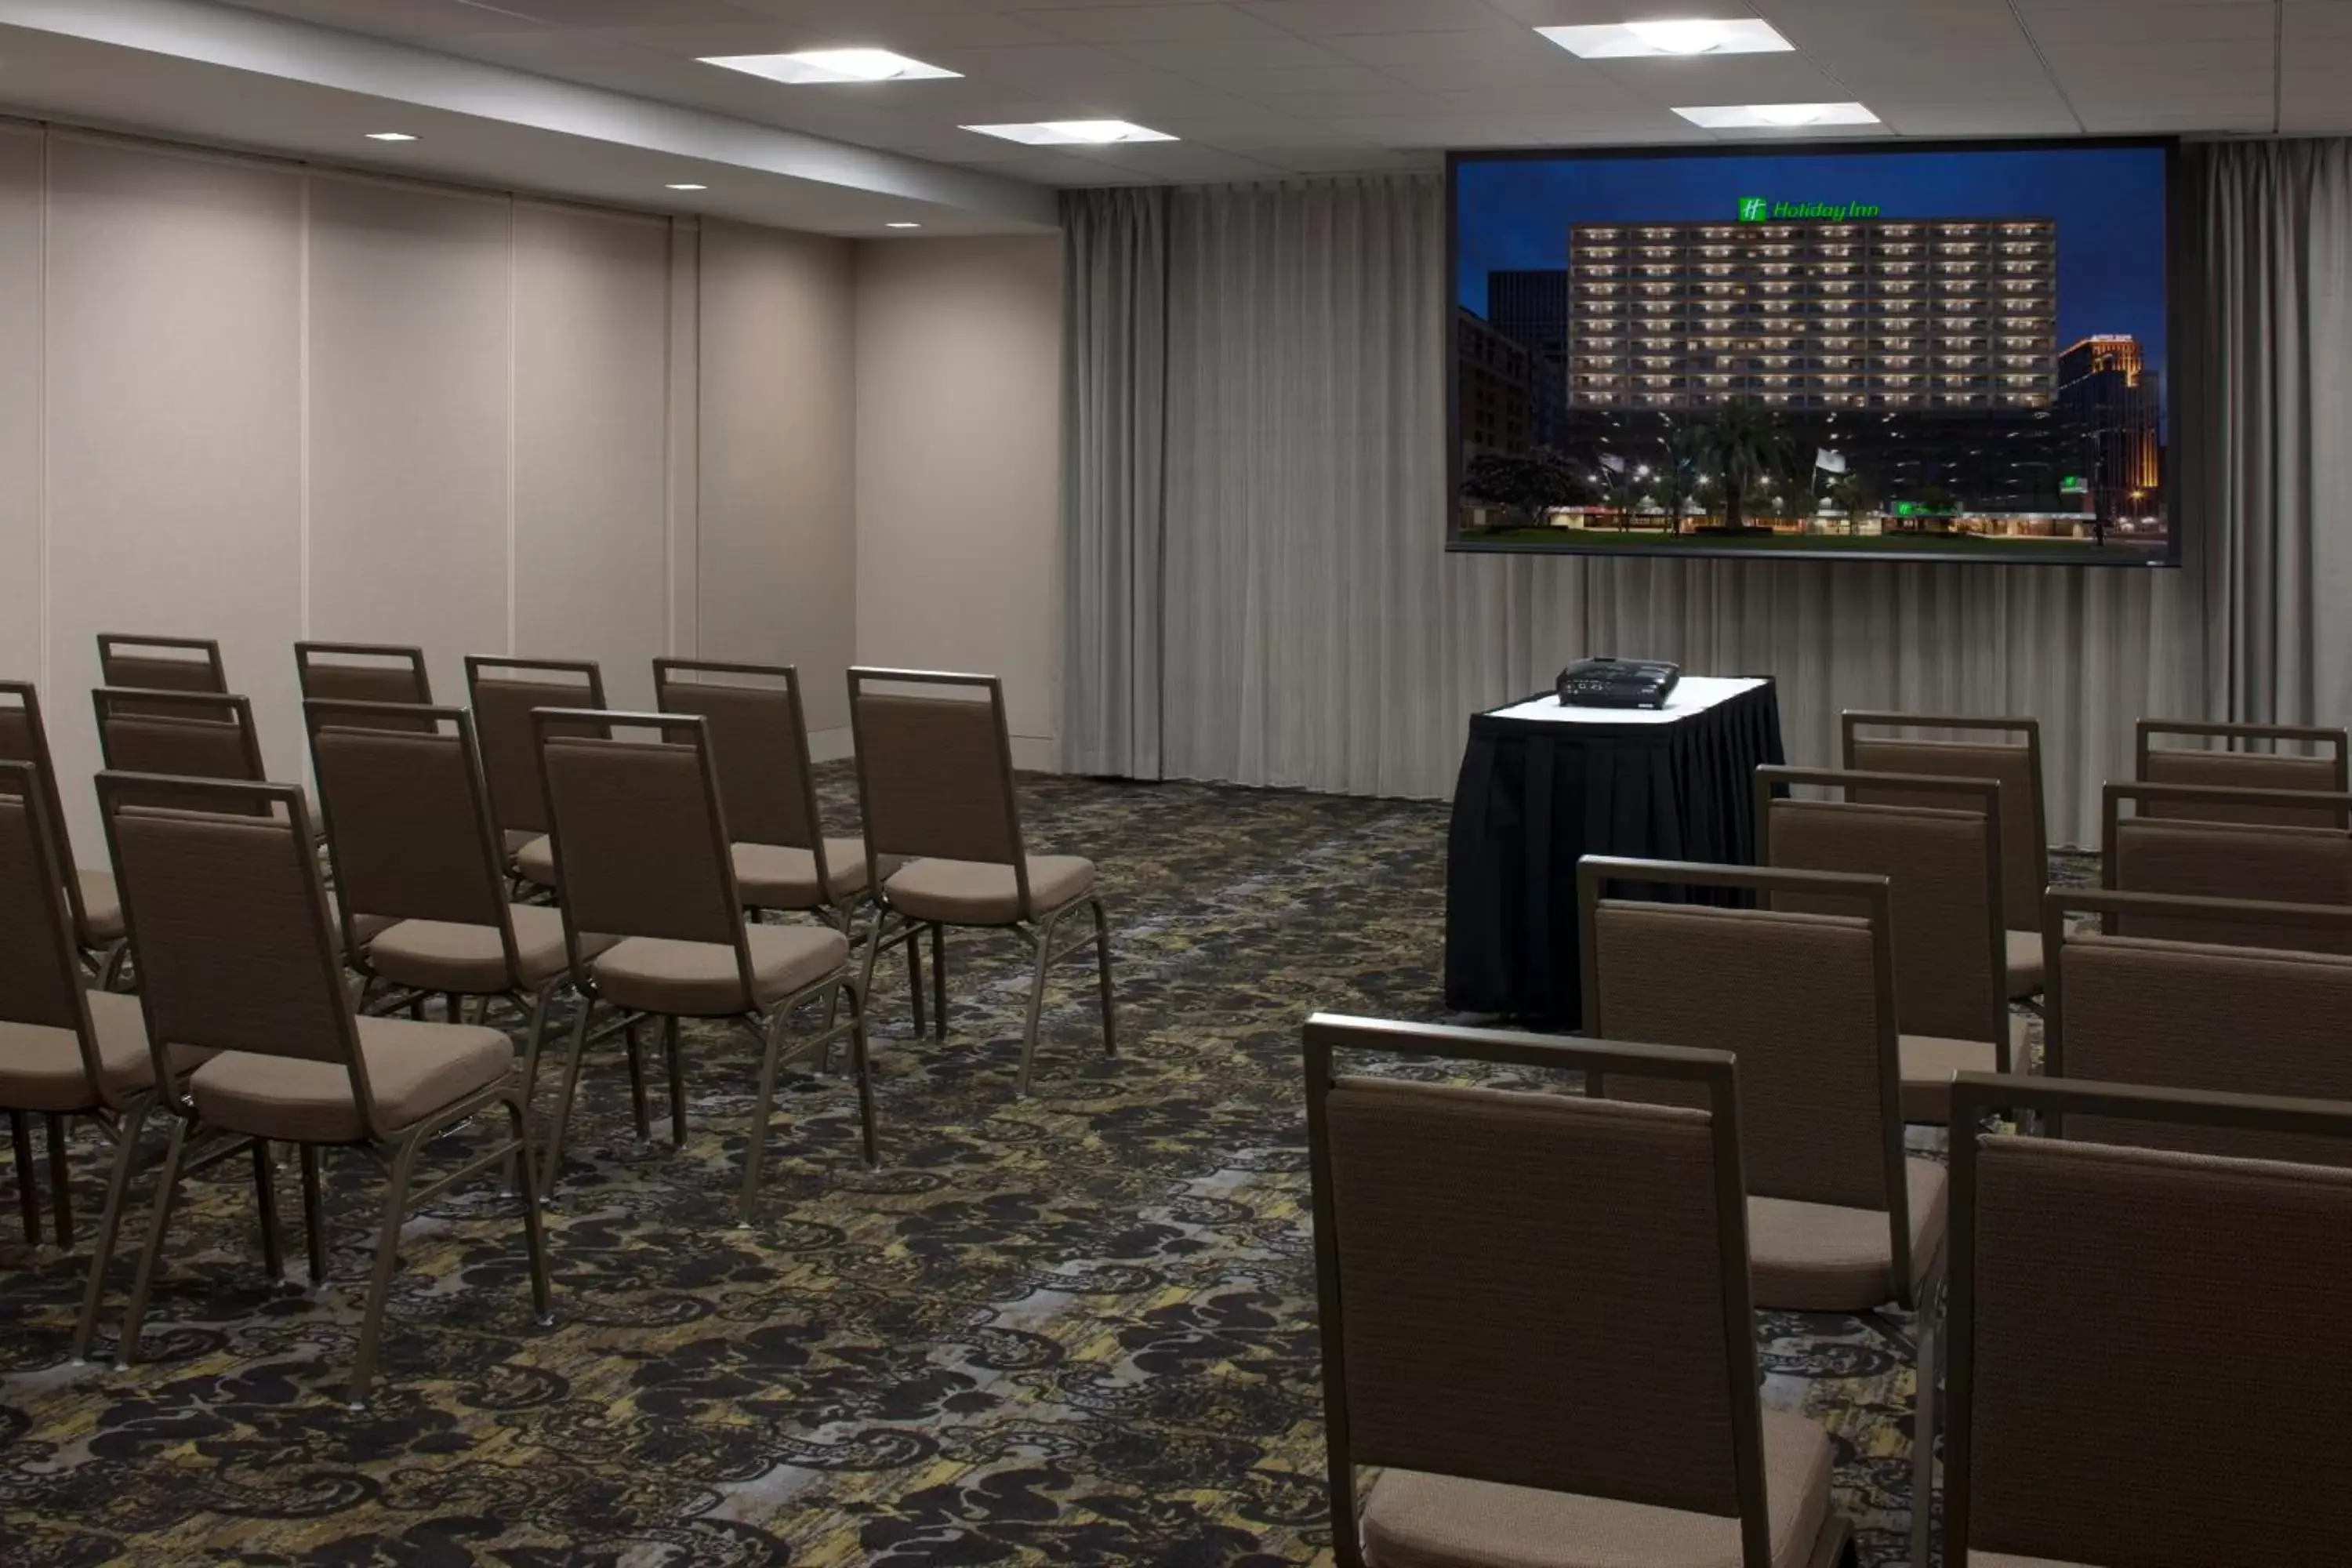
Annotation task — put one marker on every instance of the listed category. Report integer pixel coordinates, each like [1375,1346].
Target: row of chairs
[241,950]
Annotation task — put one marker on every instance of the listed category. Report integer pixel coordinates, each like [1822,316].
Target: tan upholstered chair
[1535,1318]
[2319,767]
[2015,763]
[655,920]
[97,911]
[419,879]
[935,788]
[758,745]
[504,692]
[2204,856]
[2199,1017]
[2147,1347]
[237,956]
[365,672]
[161,664]
[1951,990]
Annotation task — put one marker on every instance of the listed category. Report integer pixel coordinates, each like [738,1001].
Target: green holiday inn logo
[1763,209]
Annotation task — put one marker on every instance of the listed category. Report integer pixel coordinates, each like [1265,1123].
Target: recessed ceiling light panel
[831,65]
[1069,133]
[902,226]
[390,136]
[1623,41]
[685,186]
[1776,116]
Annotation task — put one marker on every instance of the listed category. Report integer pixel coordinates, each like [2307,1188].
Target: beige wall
[958,467]
[244,400]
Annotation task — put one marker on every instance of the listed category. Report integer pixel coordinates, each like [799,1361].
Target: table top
[1692,694]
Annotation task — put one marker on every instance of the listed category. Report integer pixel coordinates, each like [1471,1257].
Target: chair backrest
[2205,858]
[160,663]
[2322,768]
[2145,1342]
[367,672]
[641,841]
[41,983]
[759,744]
[224,907]
[503,692]
[407,816]
[1805,1002]
[935,768]
[25,738]
[2015,763]
[2195,1015]
[180,735]
[1950,946]
[1537,1289]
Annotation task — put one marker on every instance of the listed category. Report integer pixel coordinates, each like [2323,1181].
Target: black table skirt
[1535,798]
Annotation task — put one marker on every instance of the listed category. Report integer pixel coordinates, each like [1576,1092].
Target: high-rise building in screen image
[1529,305]
[1493,392]
[2108,409]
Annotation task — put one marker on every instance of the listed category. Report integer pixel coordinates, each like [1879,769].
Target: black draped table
[1544,785]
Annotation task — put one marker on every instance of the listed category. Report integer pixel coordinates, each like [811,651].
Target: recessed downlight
[1776,116]
[390,136]
[831,65]
[1073,133]
[902,226]
[1697,36]
[684,186]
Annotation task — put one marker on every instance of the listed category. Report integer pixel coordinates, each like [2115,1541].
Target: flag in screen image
[1829,462]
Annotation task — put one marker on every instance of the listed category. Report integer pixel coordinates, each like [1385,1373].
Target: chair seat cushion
[533,856]
[778,877]
[101,909]
[438,955]
[1929,1062]
[1414,1520]
[1820,1258]
[976,892]
[2024,964]
[415,1070]
[41,1068]
[700,979]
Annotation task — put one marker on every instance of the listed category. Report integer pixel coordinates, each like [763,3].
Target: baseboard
[831,745]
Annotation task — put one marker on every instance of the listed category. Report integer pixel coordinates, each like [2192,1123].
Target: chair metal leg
[110,1225]
[314,1215]
[60,1180]
[265,1199]
[865,977]
[1045,939]
[534,1237]
[1923,1427]
[1102,973]
[676,1082]
[454,1005]
[28,1186]
[387,1254]
[638,1083]
[862,1063]
[563,1098]
[940,981]
[755,1147]
[117,956]
[541,1005]
[167,1190]
[915,976]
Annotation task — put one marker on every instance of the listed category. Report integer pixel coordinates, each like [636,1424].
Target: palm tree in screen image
[1751,453]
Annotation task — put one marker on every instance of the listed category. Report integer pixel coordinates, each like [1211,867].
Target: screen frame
[2175,205]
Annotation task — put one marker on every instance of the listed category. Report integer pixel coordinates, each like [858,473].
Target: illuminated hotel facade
[2109,401]
[1921,315]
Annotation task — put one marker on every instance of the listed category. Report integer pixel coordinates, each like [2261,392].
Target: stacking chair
[2147,1347]
[935,789]
[417,865]
[504,692]
[2321,769]
[758,746]
[2196,1015]
[1535,1318]
[366,672]
[653,919]
[1951,988]
[2016,763]
[97,911]
[177,734]
[237,956]
[2267,860]
[161,664]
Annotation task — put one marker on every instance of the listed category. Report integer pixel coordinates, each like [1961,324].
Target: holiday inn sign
[1763,209]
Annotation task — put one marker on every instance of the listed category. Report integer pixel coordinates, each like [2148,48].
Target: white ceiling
[1254,89]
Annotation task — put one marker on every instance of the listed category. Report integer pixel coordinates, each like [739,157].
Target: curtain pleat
[1314,632]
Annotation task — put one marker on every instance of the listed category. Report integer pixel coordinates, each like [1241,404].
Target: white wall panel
[591,374]
[20,404]
[410,399]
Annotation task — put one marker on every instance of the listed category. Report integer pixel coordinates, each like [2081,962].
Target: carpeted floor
[1076,1329]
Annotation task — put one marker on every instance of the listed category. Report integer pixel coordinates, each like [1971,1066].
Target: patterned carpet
[1071,1329]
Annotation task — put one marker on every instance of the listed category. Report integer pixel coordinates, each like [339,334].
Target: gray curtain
[1114,391]
[1316,633]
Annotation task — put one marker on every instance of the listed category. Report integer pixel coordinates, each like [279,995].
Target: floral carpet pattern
[1076,1329]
